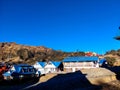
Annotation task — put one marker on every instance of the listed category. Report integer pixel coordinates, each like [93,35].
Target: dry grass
[114,85]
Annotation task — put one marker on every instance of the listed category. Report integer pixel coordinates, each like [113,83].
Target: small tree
[110,61]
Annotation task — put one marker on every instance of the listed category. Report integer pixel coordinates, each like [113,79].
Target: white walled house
[47,67]
[40,67]
[79,62]
[52,66]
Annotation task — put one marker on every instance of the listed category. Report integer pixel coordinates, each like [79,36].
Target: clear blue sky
[67,25]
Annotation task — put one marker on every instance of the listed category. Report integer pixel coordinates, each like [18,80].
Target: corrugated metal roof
[19,66]
[42,64]
[56,63]
[6,74]
[102,61]
[80,59]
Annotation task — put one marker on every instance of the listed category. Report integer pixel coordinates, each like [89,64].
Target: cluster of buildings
[69,64]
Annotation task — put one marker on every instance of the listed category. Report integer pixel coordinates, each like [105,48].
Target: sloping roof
[7,73]
[42,64]
[22,65]
[80,59]
[102,61]
[19,66]
[56,63]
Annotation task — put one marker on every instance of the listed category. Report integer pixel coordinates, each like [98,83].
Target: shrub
[110,60]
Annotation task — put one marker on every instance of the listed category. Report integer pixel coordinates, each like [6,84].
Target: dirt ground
[80,80]
[113,85]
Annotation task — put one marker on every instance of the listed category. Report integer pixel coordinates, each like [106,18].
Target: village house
[21,71]
[80,62]
[40,67]
[48,67]
[103,62]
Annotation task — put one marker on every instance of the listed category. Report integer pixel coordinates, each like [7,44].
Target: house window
[25,70]
[22,70]
[31,69]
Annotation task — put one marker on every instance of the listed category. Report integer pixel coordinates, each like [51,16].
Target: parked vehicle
[3,68]
[20,72]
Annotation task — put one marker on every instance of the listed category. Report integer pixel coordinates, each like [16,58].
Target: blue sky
[67,25]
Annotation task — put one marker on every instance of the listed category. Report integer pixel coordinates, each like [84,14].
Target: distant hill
[16,53]
[114,54]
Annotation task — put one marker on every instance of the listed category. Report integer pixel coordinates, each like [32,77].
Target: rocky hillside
[114,54]
[16,53]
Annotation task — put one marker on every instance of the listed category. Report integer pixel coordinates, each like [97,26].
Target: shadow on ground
[114,85]
[18,84]
[116,70]
[69,81]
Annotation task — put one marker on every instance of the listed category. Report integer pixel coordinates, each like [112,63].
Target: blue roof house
[47,67]
[79,62]
[52,66]
[40,67]
[20,71]
[103,62]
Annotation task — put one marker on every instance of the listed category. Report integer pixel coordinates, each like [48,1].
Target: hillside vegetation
[16,53]
[113,57]
[113,52]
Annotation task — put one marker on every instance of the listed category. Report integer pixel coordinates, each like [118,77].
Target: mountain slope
[16,53]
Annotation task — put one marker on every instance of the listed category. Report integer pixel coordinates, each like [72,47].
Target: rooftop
[81,59]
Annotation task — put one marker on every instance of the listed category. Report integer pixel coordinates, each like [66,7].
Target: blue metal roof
[6,74]
[80,59]
[42,63]
[56,63]
[19,66]
[102,61]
